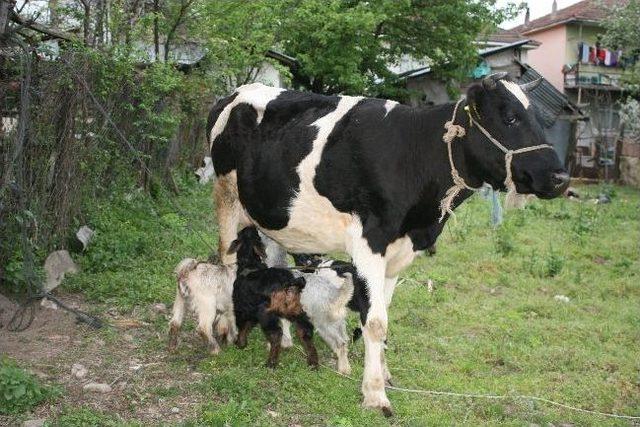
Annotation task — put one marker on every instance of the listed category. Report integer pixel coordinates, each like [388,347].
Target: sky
[538,8]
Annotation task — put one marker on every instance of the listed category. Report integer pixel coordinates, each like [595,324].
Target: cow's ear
[233,248]
[474,97]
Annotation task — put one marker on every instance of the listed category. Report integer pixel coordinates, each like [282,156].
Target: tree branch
[53,32]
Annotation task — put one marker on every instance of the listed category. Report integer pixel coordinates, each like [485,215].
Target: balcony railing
[593,76]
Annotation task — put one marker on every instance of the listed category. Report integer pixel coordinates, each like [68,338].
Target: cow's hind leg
[372,268]
[229,213]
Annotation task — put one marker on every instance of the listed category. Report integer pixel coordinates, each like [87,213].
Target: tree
[623,32]
[347,45]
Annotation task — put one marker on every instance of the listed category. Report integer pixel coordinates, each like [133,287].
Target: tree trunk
[156,30]
[5,8]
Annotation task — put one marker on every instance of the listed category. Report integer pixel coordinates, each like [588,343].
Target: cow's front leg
[389,288]
[372,267]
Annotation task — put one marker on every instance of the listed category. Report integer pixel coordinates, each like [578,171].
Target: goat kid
[206,290]
[263,295]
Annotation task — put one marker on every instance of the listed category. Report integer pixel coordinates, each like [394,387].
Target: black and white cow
[365,176]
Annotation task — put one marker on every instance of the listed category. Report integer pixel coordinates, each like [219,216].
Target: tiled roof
[586,10]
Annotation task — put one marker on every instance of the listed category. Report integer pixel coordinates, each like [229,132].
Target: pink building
[571,57]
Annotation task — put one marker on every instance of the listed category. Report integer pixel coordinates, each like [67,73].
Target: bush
[19,390]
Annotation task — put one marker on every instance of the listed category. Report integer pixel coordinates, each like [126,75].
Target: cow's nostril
[560,179]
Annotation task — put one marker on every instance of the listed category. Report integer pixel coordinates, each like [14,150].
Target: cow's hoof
[379,401]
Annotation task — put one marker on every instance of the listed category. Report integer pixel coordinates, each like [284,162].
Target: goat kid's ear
[260,252]
[233,248]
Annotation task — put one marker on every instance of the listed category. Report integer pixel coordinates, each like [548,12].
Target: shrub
[19,390]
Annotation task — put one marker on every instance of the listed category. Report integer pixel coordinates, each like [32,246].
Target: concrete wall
[427,91]
[550,56]
[270,76]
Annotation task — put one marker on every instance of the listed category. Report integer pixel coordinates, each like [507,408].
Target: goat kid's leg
[271,328]
[304,330]
[287,341]
[372,267]
[243,333]
[176,320]
[342,350]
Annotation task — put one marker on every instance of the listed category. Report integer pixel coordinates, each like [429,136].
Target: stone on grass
[34,423]
[78,370]
[97,388]
[561,298]
[84,234]
[47,303]
[175,410]
[159,308]
[57,264]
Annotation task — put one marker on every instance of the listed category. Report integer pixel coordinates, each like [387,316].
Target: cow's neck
[434,172]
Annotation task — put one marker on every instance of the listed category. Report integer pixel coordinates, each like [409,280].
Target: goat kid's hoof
[271,365]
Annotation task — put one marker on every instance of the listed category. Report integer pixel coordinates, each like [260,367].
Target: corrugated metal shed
[549,101]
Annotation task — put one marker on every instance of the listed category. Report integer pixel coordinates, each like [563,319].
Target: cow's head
[503,108]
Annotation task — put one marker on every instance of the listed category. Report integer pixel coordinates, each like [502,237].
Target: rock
[206,172]
[47,303]
[562,298]
[85,234]
[159,308]
[603,198]
[429,285]
[175,410]
[572,193]
[273,414]
[57,264]
[97,388]
[34,423]
[78,370]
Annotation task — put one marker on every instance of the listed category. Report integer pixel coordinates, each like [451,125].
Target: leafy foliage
[623,32]
[19,390]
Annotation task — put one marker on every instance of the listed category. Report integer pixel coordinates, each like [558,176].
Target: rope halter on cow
[457,131]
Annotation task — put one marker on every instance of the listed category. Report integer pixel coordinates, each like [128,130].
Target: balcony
[590,76]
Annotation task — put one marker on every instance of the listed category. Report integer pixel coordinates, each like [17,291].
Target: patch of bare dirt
[147,384]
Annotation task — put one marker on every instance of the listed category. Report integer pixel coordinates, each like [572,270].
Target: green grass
[20,391]
[490,326]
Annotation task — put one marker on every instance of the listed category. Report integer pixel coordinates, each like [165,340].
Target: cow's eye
[511,120]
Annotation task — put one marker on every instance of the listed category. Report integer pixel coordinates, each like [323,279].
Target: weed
[553,263]
[85,417]
[503,239]
[19,390]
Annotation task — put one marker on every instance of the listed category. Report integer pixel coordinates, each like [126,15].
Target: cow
[370,177]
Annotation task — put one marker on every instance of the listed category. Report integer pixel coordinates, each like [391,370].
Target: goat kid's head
[504,109]
[248,247]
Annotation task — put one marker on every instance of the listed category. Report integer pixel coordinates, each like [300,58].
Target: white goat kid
[324,300]
[206,290]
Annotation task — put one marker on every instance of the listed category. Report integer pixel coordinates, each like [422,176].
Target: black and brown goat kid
[263,295]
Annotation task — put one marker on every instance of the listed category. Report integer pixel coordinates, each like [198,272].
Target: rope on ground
[488,396]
